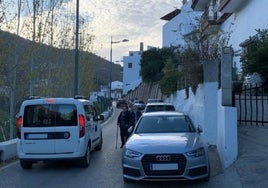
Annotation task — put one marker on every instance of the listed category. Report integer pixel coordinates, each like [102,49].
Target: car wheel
[206,179]
[26,164]
[126,180]
[99,146]
[85,161]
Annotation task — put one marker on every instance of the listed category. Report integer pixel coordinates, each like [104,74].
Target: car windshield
[155,108]
[164,124]
[137,101]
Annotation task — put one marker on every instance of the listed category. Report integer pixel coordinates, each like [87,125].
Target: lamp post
[111,62]
[76,50]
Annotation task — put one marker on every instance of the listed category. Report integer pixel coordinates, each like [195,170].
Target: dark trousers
[123,134]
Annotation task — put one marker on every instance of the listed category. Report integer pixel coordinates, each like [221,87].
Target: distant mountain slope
[53,68]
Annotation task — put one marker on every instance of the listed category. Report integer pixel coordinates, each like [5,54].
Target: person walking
[123,121]
[135,115]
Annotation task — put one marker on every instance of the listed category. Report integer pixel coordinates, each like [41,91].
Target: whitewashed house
[116,89]
[237,19]
[131,70]
[180,24]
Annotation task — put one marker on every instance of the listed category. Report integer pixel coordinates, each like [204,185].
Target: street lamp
[111,62]
[76,50]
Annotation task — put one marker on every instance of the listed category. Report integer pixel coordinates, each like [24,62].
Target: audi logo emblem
[163,158]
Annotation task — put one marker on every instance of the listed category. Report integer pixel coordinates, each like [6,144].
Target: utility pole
[76,50]
[111,63]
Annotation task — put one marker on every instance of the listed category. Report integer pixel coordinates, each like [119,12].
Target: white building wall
[193,106]
[210,112]
[227,141]
[131,75]
[243,23]
[219,123]
[175,29]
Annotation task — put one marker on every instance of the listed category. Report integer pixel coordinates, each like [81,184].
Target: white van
[57,129]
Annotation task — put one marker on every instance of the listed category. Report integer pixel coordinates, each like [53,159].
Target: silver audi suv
[165,146]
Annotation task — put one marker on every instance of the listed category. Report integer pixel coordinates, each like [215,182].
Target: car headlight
[196,153]
[132,154]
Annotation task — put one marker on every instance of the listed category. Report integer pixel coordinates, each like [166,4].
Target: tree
[168,83]
[153,62]
[256,56]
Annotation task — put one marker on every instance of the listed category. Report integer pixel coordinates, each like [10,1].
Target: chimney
[141,47]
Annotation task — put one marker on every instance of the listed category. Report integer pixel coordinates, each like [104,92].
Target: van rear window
[50,115]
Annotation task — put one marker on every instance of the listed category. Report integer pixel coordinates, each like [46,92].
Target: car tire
[85,160]
[99,146]
[206,179]
[126,180]
[26,164]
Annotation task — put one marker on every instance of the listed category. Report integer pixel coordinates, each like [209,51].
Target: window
[50,115]
[90,112]
[129,65]
[165,124]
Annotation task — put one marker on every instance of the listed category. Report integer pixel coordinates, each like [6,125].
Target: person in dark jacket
[123,121]
[135,115]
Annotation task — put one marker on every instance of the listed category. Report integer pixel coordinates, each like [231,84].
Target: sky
[135,20]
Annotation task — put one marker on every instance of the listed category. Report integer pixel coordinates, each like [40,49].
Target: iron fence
[252,106]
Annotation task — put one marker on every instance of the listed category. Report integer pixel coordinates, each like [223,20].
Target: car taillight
[19,123]
[82,124]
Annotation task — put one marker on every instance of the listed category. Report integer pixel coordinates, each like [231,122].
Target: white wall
[227,143]
[243,23]
[131,75]
[184,23]
[219,123]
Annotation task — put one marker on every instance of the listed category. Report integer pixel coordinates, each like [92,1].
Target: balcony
[221,17]
[229,6]
[199,5]
[209,20]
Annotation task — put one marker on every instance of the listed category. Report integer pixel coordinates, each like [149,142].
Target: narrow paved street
[250,170]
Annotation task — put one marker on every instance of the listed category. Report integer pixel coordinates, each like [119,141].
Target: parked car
[159,106]
[57,129]
[120,103]
[140,104]
[154,100]
[165,146]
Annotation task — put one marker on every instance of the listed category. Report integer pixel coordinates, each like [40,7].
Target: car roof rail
[80,97]
[33,97]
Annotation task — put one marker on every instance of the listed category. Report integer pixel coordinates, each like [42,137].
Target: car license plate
[36,136]
[166,166]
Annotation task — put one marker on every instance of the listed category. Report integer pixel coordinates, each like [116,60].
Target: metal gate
[252,106]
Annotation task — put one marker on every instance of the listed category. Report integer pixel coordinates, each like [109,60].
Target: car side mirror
[99,118]
[88,116]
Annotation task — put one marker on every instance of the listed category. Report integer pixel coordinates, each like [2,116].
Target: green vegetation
[172,69]
[152,64]
[168,83]
[255,58]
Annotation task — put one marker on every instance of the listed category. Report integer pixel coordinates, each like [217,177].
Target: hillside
[52,70]
[47,58]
